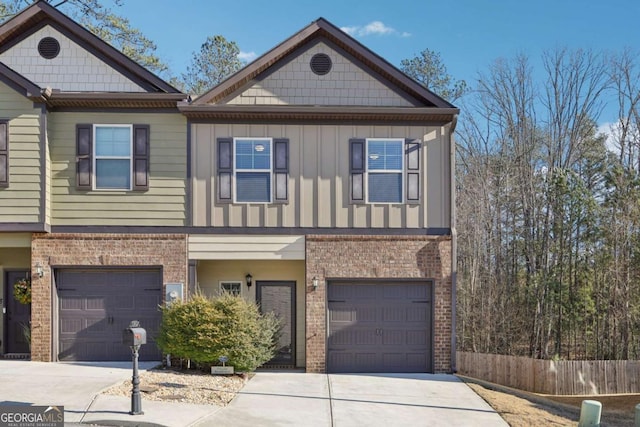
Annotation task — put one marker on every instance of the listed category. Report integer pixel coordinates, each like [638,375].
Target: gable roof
[323,28]
[42,13]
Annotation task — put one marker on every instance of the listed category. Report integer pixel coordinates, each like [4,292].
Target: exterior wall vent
[320,64]
[49,48]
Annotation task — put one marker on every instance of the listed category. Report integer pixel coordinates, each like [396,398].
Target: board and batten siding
[162,205]
[21,202]
[319,179]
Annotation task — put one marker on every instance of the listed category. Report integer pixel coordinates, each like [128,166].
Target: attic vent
[48,48]
[320,64]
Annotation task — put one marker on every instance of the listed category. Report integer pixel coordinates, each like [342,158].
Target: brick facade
[109,250]
[379,257]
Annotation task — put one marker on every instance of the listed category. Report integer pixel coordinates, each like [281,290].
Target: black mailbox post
[134,336]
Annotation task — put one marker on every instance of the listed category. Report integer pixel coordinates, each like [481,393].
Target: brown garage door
[96,305]
[379,327]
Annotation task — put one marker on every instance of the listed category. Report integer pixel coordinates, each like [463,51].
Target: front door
[279,298]
[18,316]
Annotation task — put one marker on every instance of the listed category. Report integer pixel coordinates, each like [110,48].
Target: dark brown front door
[379,326]
[18,316]
[95,306]
[279,298]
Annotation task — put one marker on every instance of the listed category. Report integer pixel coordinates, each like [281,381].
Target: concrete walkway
[268,399]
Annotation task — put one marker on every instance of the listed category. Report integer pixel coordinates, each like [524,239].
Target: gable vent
[49,48]
[320,64]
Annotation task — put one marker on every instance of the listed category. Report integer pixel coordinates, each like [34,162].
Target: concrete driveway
[297,399]
[268,399]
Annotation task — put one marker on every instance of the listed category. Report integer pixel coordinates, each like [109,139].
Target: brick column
[378,257]
[94,250]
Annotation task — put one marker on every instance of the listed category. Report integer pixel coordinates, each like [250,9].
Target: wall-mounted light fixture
[314,283]
[249,279]
[39,270]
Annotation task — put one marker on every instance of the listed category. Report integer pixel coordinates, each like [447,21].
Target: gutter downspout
[454,243]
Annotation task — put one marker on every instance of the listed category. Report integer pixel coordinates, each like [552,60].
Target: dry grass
[522,409]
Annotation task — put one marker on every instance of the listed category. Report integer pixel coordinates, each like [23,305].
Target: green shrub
[203,329]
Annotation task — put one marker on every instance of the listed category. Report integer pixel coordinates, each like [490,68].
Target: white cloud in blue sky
[247,56]
[373,27]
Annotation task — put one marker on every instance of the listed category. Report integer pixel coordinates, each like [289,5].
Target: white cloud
[611,132]
[376,27]
[373,28]
[350,30]
[247,56]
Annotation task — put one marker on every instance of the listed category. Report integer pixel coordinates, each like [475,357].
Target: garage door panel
[393,337]
[70,325]
[343,314]
[418,338]
[417,314]
[147,301]
[96,305]
[95,302]
[380,326]
[71,303]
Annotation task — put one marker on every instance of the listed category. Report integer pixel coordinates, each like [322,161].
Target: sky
[469,34]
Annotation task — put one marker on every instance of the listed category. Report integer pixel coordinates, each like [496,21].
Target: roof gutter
[454,242]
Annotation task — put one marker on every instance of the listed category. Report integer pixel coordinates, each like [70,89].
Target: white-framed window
[252,170]
[113,153]
[230,287]
[385,170]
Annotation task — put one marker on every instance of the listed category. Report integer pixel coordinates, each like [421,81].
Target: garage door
[379,327]
[96,305]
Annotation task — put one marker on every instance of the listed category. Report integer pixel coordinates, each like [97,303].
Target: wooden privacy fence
[564,377]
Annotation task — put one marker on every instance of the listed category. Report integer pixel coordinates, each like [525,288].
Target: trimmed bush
[203,329]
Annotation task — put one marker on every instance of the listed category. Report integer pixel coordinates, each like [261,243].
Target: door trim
[8,293]
[294,326]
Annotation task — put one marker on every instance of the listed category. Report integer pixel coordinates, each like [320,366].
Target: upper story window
[385,170]
[252,170]
[112,160]
[112,157]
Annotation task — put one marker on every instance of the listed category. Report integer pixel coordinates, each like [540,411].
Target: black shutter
[4,153]
[281,170]
[84,153]
[225,170]
[141,156]
[357,169]
[412,160]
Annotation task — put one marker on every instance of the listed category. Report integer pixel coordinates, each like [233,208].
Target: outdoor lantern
[39,270]
[248,277]
[314,282]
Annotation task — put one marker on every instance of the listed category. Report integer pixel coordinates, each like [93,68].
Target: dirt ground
[521,409]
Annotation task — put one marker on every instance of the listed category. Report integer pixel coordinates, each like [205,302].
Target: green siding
[20,202]
[162,205]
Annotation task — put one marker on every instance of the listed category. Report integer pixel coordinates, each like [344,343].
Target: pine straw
[183,386]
